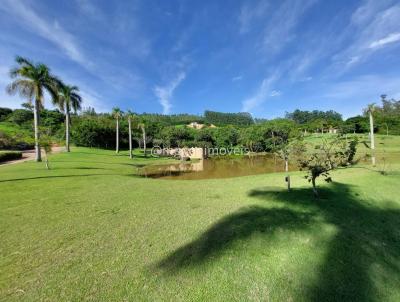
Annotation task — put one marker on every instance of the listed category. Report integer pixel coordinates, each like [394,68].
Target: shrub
[15,142]
[9,155]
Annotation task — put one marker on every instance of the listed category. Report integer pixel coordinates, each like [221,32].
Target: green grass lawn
[90,229]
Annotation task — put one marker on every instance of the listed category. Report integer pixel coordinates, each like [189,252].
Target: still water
[217,168]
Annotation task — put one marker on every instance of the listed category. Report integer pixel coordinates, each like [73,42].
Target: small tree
[327,156]
[46,142]
[286,149]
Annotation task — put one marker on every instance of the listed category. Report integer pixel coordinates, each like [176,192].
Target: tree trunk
[287,176]
[387,130]
[314,187]
[36,118]
[67,123]
[117,137]
[130,136]
[371,126]
[47,160]
[144,141]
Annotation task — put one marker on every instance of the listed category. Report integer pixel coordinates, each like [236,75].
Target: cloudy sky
[263,57]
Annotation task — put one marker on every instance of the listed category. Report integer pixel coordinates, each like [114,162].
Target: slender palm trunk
[67,123]
[36,118]
[117,137]
[144,140]
[371,125]
[130,136]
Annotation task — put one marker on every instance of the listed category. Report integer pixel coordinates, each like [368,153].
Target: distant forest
[231,129]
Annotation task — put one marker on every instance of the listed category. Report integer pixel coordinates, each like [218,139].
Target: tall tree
[370,110]
[31,80]
[142,127]
[117,113]
[130,116]
[68,98]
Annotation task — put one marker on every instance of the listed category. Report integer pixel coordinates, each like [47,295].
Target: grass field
[90,229]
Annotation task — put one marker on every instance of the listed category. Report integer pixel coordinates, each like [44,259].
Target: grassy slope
[14,130]
[90,229]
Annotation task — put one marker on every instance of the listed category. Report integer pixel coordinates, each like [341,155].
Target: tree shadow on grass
[366,236]
[236,226]
[56,176]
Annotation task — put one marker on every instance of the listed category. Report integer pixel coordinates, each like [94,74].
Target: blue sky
[264,57]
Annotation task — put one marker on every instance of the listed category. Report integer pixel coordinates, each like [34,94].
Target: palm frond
[23,61]
[24,88]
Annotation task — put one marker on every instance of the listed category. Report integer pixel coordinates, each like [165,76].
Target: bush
[15,142]
[94,132]
[10,155]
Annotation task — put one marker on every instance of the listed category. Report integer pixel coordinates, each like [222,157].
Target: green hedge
[9,155]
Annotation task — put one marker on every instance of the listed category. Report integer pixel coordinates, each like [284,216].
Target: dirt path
[30,155]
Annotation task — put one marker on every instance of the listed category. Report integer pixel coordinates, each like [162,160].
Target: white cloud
[165,93]
[260,96]
[391,38]
[374,25]
[275,93]
[279,29]
[237,78]
[52,32]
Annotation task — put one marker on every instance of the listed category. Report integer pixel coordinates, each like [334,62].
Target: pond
[221,167]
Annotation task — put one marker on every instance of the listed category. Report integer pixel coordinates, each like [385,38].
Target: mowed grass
[91,229]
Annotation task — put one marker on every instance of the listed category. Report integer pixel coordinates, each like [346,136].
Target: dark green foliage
[52,120]
[304,117]
[177,136]
[357,124]
[222,118]
[4,113]
[170,120]
[94,132]
[10,155]
[21,116]
[15,142]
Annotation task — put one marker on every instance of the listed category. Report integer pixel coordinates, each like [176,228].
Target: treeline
[93,129]
[222,119]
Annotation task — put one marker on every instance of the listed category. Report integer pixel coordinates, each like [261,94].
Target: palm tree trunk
[130,136]
[144,140]
[117,137]
[67,123]
[371,125]
[36,118]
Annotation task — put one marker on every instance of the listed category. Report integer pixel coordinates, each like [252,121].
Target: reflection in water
[217,168]
[224,167]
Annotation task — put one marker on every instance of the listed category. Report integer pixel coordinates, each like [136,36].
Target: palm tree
[130,116]
[370,110]
[31,81]
[142,127]
[117,113]
[68,99]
